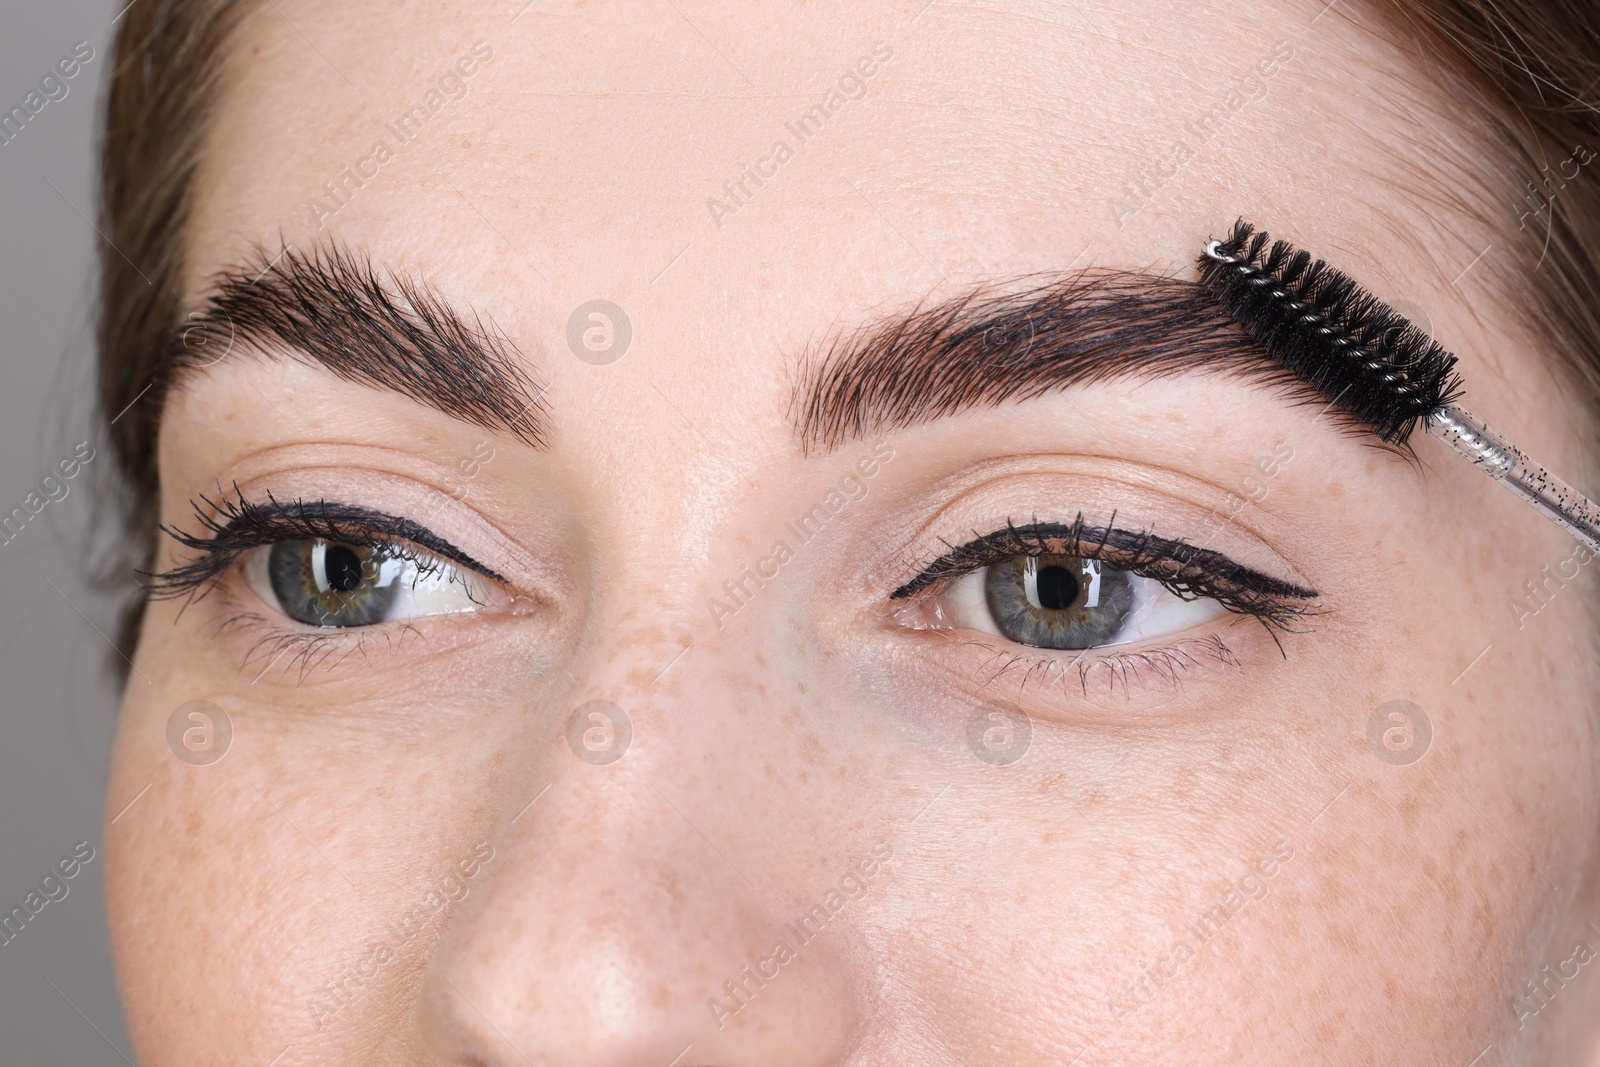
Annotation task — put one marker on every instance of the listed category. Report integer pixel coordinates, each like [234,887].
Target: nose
[617,928]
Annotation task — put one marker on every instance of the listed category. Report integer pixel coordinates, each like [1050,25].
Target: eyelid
[1185,570]
[977,657]
[422,585]
[249,526]
[1129,550]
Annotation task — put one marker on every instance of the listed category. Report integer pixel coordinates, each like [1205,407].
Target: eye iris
[1051,601]
[323,583]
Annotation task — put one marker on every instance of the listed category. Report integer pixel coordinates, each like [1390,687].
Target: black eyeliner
[1189,571]
[240,525]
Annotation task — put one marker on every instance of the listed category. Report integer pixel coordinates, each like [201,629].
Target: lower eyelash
[1121,667]
[307,651]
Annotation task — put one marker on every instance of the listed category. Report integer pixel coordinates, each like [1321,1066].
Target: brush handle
[1506,464]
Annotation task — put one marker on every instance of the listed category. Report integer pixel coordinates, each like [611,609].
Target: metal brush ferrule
[1507,464]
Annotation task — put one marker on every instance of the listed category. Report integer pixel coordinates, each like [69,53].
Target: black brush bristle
[1362,356]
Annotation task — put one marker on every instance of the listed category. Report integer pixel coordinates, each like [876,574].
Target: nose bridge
[617,922]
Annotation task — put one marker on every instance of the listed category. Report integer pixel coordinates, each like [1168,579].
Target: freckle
[673,887]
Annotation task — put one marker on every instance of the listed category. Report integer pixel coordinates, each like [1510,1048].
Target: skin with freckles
[412,852]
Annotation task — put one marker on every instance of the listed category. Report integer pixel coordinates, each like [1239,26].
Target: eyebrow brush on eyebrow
[1371,363]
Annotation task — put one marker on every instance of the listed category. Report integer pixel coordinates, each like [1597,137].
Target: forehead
[741,176]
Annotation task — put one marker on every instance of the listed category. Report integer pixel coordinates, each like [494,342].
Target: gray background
[57,706]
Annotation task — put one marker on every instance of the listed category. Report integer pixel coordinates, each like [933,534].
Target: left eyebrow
[1019,342]
[334,308]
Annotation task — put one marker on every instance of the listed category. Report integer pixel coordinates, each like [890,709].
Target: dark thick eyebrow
[1018,342]
[333,308]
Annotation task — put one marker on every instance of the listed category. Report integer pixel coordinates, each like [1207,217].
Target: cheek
[266,877]
[1061,903]
[176,889]
[1099,869]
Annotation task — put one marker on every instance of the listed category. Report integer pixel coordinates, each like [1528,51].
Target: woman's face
[741,677]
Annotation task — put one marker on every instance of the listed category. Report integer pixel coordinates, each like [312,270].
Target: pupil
[344,568]
[1058,588]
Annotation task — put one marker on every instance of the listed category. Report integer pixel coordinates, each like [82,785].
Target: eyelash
[1185,570]
[236,526]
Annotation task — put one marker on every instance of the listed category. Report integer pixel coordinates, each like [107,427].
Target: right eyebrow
[333,308]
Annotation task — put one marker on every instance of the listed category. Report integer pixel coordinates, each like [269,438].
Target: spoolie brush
[1371,363]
